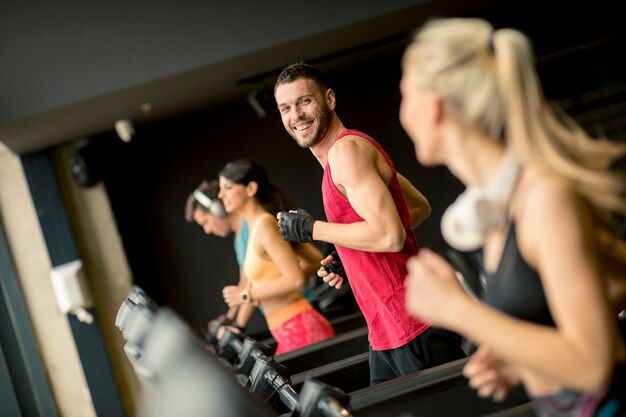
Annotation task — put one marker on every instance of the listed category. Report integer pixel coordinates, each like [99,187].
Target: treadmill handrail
[315,372]
[407,383]
[523,410]
[282,387]
[330,407]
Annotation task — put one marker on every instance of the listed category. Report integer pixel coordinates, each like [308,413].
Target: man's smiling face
[304,111]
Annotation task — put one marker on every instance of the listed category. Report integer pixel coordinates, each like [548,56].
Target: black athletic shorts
[433,347]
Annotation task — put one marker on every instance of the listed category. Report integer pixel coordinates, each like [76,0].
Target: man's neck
[320,151]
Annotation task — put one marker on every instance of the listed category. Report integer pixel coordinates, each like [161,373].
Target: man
[371,212]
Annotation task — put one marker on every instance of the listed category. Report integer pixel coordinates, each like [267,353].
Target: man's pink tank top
[376,278]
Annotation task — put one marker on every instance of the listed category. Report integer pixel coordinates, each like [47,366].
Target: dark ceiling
[555,32]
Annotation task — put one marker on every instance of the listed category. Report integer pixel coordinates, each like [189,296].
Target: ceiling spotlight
[253,100]
[125,129]
[146,107]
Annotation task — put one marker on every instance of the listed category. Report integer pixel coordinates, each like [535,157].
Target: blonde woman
[538,193]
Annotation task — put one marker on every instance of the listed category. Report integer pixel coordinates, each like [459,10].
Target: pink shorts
[306,327]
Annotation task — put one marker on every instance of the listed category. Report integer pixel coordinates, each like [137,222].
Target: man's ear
[331,100]
[252,188]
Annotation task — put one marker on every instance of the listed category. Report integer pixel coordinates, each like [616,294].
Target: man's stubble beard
[324,124]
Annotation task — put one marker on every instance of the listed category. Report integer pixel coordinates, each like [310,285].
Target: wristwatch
[245,296]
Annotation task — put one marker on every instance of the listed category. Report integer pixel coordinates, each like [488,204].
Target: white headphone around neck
[466,222]
[214,205]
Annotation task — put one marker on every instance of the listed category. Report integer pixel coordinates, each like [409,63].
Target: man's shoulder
[353,143]
[354,134]
[351,151]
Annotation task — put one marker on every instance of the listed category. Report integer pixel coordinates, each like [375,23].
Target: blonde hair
[488,78]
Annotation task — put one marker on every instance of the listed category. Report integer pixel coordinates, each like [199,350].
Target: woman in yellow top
[271,266]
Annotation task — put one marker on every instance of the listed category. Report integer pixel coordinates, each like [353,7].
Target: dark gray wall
[72,69]
[56,53]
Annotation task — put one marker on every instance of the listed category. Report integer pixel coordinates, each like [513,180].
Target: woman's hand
[489,376]
[233,295]
[433,291]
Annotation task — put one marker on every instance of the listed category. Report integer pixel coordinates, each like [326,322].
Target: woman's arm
[281,253]
[555,235]
[246,310]
[613,250]
[232,312]
[309,258]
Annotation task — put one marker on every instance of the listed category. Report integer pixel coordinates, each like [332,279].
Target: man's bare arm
[357,175]
[419,207]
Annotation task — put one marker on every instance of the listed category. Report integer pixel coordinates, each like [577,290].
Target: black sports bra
[515,288]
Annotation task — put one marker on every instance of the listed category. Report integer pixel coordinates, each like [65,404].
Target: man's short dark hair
[301,70]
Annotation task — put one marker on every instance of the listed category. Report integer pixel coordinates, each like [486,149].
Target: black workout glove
[296,227]
[335,265]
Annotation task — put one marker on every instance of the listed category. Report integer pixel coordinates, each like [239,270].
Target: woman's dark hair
[243,171]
